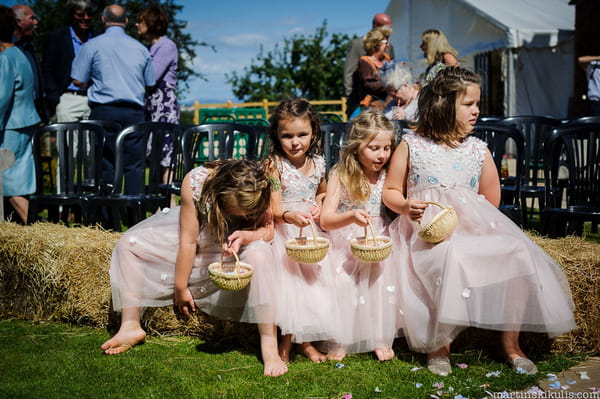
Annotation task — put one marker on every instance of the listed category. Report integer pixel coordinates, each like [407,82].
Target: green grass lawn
[54,360]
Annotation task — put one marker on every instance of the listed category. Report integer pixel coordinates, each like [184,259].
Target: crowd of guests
[83,75]
[427,293]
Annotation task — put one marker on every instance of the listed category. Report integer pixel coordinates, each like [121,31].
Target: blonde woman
[438,52]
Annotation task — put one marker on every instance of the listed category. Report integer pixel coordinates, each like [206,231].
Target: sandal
[439,365]
[522,365]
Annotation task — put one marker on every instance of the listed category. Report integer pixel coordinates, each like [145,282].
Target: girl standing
[224,208]
[438,52]
[296,167]
[487,273]
[366,291]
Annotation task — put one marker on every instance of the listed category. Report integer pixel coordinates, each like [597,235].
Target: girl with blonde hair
[365,291]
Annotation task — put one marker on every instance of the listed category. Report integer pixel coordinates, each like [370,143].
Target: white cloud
[243,39]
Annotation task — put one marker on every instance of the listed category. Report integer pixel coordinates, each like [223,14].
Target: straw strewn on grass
[53,272]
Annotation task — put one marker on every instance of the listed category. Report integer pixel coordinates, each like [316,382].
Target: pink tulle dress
[142,270]
[366,292]
[306,306]
[486,274]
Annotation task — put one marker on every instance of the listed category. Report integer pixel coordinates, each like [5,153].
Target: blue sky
[238,28]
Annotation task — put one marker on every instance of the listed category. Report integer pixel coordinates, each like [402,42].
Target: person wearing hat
[357,50]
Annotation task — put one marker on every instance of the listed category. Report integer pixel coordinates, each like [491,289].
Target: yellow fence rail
[267,105]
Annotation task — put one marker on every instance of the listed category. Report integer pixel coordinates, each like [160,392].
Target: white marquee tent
[534,38]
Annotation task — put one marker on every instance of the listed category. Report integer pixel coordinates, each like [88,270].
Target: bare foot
[274,366]
[285,348]
[123,340]
[338,354]
[384,354]
[308,350]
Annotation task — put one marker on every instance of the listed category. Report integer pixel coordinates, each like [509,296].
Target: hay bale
[53,272]
[580,260]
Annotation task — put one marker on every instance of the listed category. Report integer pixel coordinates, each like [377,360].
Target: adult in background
[591,65]
[63,97]
[22,37]
[116,70]
[368,91]
[161,102]
[438,52]
[402,88]
[17,113]
[356,50]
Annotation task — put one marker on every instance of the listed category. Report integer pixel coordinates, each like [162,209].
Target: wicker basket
[441,226]
[230,277]
[371,249]
[311,250]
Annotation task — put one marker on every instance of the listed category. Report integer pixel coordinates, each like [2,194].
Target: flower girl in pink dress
[366,292]
[164,259]
[298,172]
[487,273]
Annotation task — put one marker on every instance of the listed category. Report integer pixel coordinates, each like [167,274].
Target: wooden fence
[267,105]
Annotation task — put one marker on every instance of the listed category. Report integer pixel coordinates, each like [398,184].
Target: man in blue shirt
[116,70]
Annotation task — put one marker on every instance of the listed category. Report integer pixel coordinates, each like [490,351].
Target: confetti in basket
[371,249]
[230,276]
[305,250]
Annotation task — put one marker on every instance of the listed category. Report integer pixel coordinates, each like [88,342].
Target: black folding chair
[572,173]
[535,131]
[332,137]
[496,136]
[140,190]
[79,149]
[210,141]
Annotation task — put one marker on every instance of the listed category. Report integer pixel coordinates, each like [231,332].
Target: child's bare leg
[337,352]
[384,353]
[510,343]
[130,333]
[308,350]
[273,365]
[285,347]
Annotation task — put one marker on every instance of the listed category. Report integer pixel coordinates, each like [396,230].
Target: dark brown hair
[289,109]
[156,21]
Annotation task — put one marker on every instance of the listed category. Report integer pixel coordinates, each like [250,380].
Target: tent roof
[529,23]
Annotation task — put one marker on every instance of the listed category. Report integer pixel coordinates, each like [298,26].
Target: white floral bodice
[197,177]
[374,205]
[297,188]
[433,165]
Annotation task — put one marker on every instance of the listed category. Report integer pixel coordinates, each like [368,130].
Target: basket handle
[313,228]
[434,203]
[370,225]
[237,261]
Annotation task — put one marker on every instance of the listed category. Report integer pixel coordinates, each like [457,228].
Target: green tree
[53,14]
[310,67]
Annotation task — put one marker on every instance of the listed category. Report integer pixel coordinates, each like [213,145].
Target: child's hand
[297,218]
[361,217]
[234,243]
[315,213]
[416,209]
[185,301]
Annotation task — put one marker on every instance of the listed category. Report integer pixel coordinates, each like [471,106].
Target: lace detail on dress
[374,205]
[433,165]
[297,188]
[197,178]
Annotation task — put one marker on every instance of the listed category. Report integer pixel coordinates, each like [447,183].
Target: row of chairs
[85,192]
[557,165]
